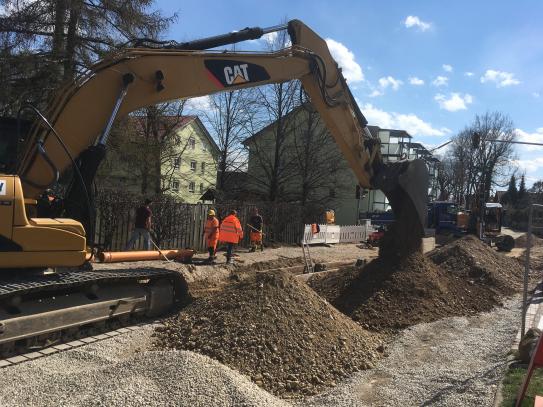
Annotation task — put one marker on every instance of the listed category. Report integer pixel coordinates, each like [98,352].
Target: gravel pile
[462,278]
[453,362]
[276,330]
[115,373]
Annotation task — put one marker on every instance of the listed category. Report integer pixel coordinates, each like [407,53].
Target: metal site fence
[181,225]
[535,224]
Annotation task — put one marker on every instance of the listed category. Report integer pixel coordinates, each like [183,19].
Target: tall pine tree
[511,196]
[44,42]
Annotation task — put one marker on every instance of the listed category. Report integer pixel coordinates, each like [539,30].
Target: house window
[201,188]
[174,185]
[193,165]
[176,163]
[192,143]
[204,146]
[203,166]
[191,186]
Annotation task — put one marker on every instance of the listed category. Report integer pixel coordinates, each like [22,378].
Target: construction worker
[142,226]
[211,234]
[230,232]
[255,226]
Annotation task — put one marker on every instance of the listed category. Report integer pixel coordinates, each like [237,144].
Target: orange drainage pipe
[114,257]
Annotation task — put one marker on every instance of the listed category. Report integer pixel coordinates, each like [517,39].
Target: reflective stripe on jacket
[230,230]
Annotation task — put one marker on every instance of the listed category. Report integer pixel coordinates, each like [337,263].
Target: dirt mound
[462,278]
[276,330]
[522,241]
[475,261]
[272,264]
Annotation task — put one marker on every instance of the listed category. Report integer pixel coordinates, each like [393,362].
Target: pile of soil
[522,241]
[472,260]
[276,330]
[461,278]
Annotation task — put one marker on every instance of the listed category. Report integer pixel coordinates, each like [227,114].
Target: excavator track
[37,311]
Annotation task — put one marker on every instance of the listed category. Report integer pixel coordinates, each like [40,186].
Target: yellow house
[192,169]
[175,156]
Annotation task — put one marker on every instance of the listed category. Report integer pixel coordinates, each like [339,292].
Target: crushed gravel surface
[115,372]
[451,362]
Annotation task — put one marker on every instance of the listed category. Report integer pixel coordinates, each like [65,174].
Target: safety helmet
[211,212]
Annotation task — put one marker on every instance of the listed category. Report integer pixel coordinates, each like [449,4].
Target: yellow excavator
[72,135]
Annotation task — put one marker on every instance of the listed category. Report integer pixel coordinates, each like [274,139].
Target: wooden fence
[179,225]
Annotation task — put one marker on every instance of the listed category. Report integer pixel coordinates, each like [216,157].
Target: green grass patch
[512,382]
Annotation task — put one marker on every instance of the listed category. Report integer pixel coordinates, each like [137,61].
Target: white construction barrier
[337,234]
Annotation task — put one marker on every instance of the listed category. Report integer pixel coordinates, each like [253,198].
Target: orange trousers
[212,243]
[256,237]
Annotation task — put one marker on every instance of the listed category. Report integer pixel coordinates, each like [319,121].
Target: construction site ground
[453,355]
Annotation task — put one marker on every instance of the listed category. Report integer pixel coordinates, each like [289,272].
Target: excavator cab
[30,242]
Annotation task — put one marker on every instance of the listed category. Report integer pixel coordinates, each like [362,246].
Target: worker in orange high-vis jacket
[230,233]
[211,234]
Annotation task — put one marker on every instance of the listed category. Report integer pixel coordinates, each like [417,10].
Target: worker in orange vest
[211,234]
[231,233]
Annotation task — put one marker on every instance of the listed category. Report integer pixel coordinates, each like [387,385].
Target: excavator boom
[84,110]
[73,132]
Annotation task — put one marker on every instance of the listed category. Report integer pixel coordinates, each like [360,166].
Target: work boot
[252,249]
[261,247]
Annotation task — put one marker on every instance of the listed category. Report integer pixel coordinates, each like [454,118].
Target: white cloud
[536,95]
[440,81]
[413,80]
[447,67]
[408,122]
[345,59]
[198,103]
[536,137]
[387,81]
[529,166]
[455,101]
[270,38]
[375,93]
[469,73]
[500,78]
[414,21]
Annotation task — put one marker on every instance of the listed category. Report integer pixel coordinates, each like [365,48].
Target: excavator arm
[83,111]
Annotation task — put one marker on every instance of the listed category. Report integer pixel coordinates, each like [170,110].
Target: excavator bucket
[405,184]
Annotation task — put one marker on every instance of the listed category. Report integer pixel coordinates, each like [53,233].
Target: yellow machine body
[35,242]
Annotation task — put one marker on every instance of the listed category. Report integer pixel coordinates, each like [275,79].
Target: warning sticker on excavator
[227,72]
[3,186]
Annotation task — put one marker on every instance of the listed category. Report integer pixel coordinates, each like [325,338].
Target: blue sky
[427,66]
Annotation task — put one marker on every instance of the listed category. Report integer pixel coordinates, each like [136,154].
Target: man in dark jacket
[142,226]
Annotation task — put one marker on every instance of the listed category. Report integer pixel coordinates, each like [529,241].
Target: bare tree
[274,103]
[147,147]
[229,117]
[476,165]
[316,159]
